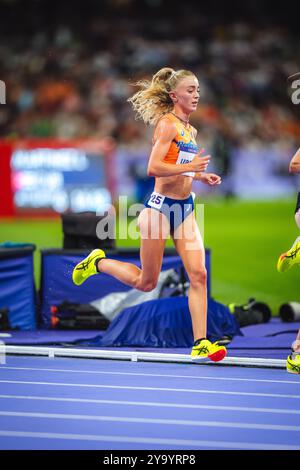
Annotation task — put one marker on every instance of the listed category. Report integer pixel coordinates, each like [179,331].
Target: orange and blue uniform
[183,147]
[182,150]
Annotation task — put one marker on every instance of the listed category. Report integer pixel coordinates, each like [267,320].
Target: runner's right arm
[165,133]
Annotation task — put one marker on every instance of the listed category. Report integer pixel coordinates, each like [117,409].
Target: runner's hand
[199,163]
[211,179]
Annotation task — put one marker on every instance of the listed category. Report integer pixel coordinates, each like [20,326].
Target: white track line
[96,372]
[150,441]
[168,422]
[161,389]
[154,404]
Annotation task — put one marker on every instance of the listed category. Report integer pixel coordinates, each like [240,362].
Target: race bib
[156,200]
[186,157]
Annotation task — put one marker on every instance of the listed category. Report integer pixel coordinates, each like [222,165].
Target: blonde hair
[153,100]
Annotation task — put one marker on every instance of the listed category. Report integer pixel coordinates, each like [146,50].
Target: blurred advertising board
[46,177]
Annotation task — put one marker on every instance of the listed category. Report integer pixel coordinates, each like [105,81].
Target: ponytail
[153,100]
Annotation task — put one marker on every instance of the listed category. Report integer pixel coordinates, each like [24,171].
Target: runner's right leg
[154,229]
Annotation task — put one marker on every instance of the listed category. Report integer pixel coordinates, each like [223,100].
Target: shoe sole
[215,357]
[199,359]
[218,355]
[284,263]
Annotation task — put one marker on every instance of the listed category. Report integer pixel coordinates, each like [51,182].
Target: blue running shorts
[176,210]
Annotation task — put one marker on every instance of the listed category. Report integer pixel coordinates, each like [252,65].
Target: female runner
[167,102]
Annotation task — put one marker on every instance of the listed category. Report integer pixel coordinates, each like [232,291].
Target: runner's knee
[197,275]
[146,285]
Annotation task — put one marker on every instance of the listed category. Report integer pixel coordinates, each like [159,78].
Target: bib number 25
[156,199]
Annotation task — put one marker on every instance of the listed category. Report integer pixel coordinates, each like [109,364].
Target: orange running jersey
[183,148]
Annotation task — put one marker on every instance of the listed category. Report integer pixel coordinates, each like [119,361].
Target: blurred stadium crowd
[74,81]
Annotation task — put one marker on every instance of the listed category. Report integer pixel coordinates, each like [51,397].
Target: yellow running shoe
[293,363]
[291,257]
[87,267]
[205,348]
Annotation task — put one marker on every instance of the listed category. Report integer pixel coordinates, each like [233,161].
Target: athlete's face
[186,94]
